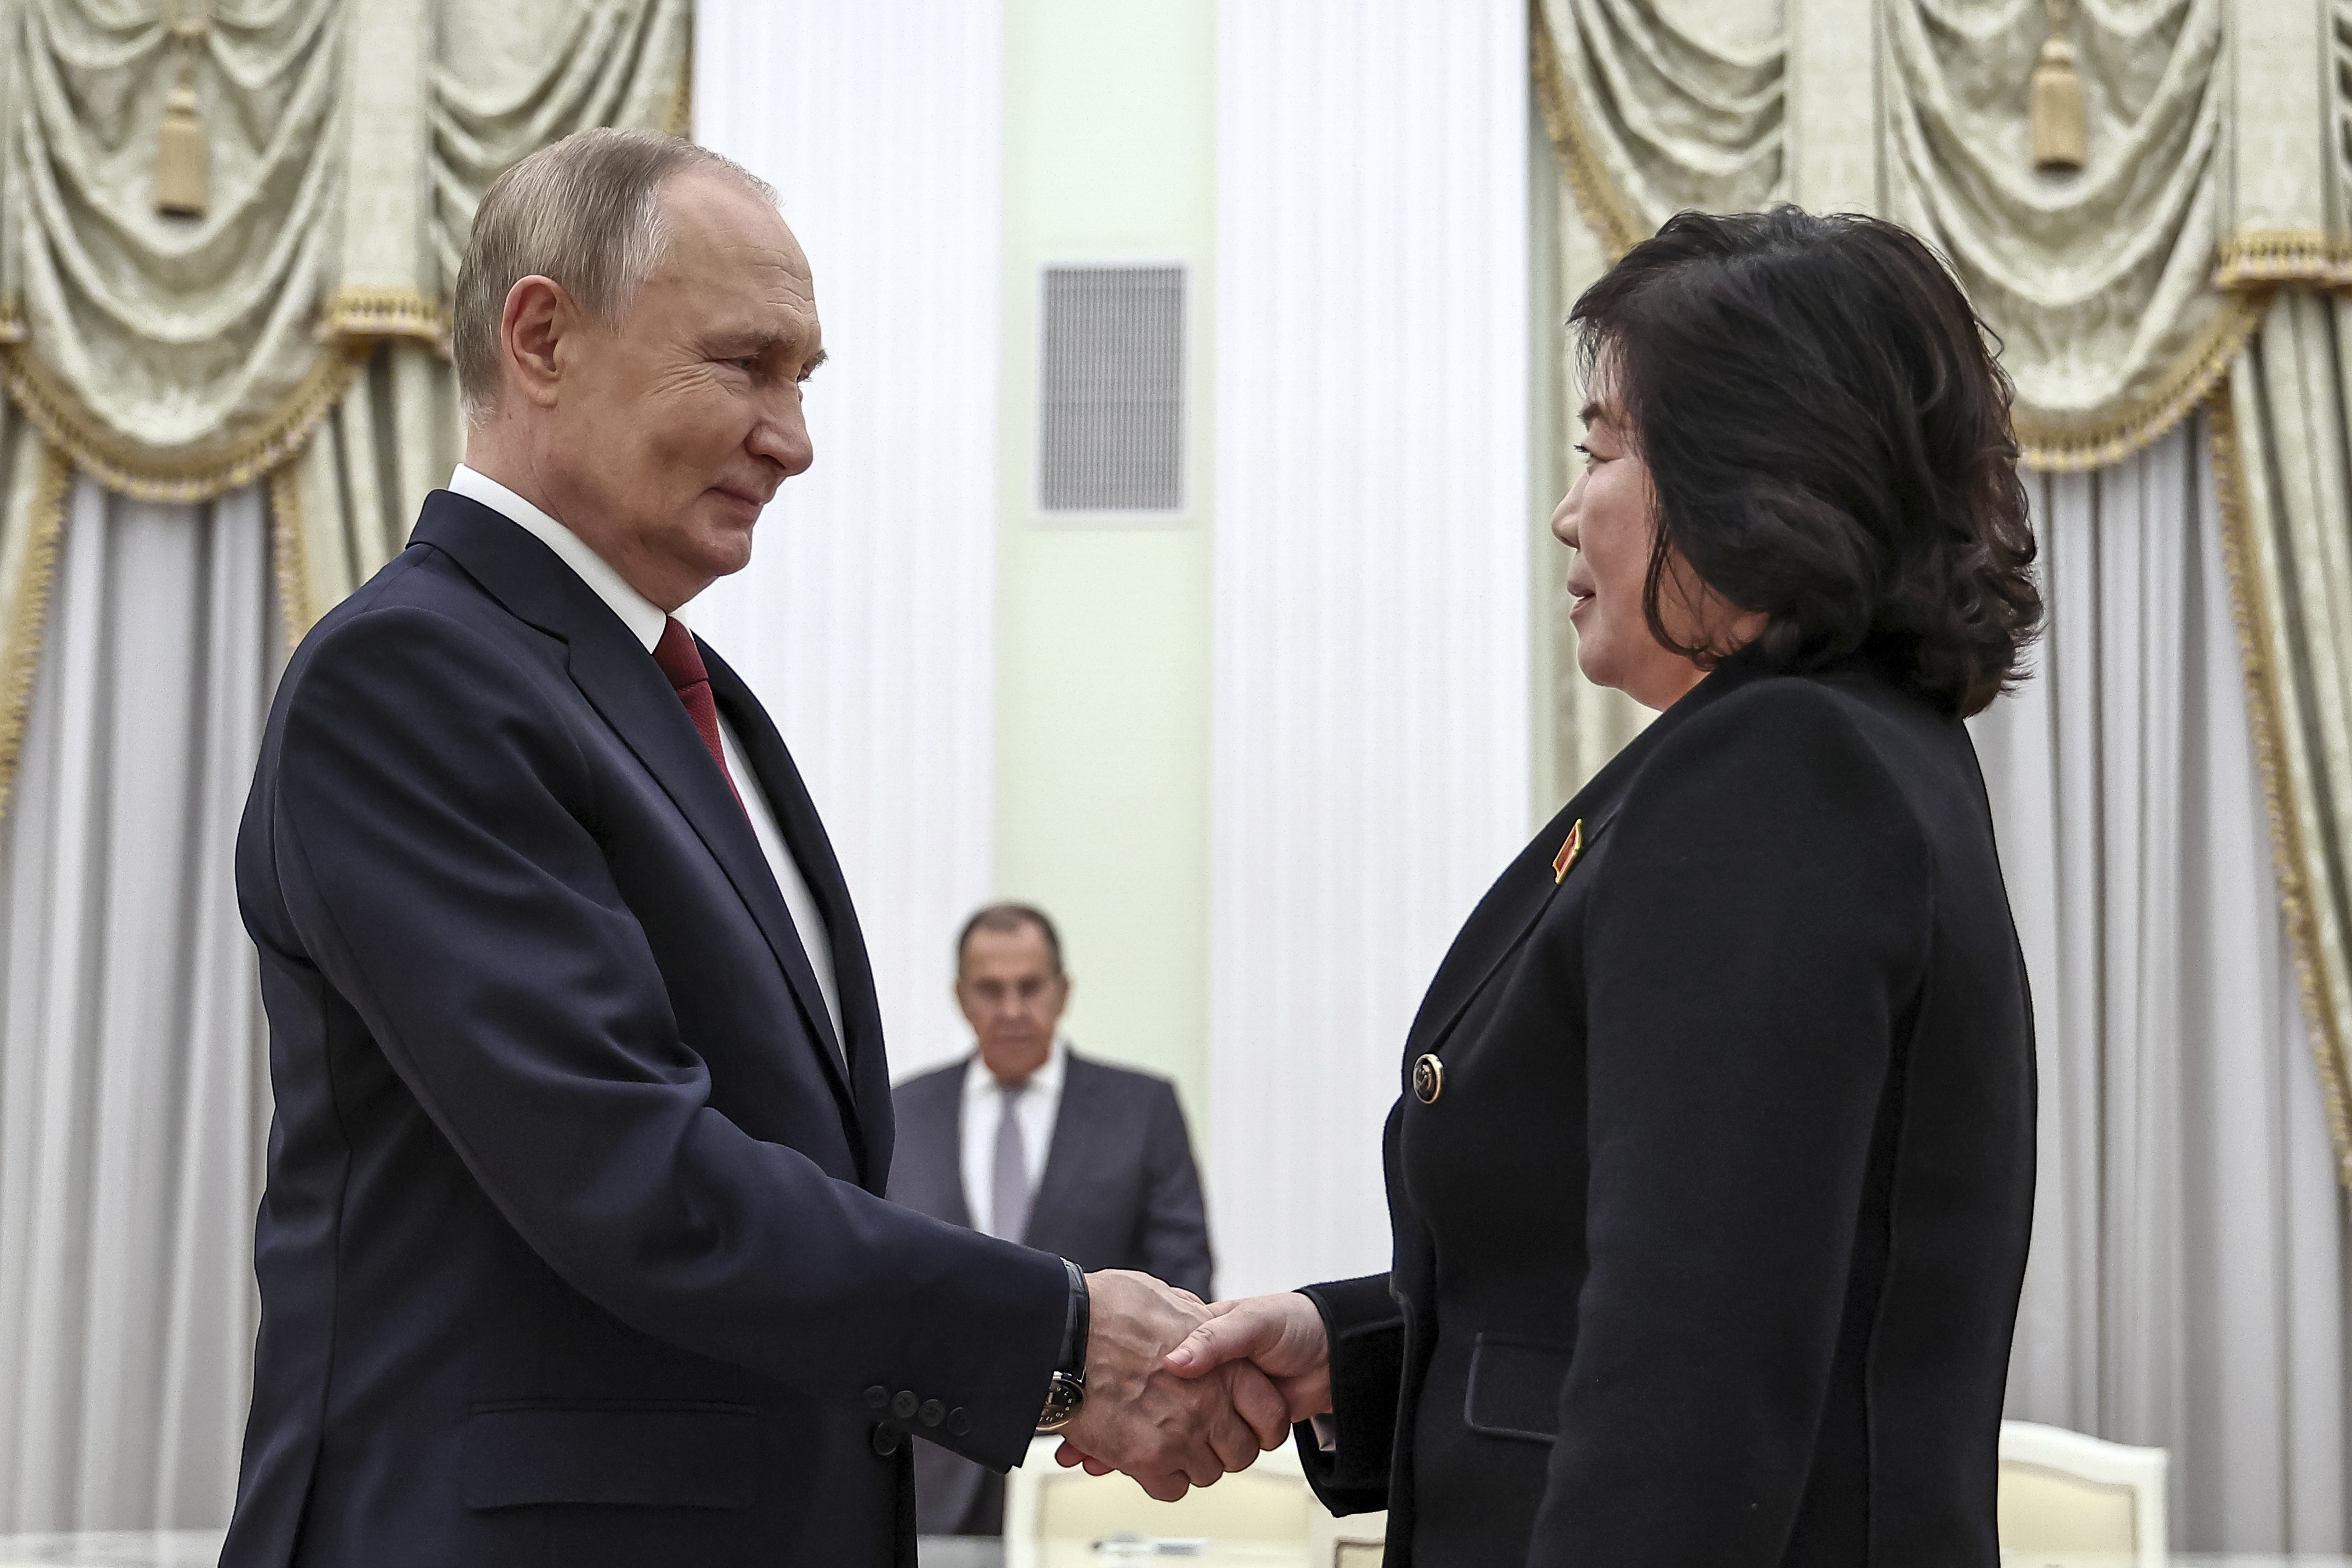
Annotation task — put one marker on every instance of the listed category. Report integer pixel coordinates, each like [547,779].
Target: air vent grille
[1111,390]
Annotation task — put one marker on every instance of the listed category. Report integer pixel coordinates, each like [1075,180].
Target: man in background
[1028,1141]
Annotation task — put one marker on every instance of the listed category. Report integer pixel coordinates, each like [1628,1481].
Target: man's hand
[1283,1336]
[1170,1432]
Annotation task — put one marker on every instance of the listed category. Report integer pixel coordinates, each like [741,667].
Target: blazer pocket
[621,1453]
[1515,1387]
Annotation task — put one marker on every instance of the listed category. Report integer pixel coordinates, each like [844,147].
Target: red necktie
[682,662]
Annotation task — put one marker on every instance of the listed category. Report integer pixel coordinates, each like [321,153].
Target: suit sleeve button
[958,1421]
[885,1440]
[876,1397]
[903,1405]
[932,1413]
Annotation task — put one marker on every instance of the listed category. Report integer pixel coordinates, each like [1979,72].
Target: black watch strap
[1074,1324]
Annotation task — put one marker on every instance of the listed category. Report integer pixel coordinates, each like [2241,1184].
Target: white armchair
[2068,1500]
[1268,1504]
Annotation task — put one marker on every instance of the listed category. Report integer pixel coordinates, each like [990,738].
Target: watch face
[1063,1397]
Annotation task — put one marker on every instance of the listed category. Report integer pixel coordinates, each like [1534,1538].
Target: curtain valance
[174,356]
[2121,291]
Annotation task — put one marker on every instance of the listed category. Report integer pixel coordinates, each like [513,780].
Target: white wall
[866,621]
[1369,773]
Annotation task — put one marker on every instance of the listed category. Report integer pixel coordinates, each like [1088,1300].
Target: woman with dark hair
[1713,1169]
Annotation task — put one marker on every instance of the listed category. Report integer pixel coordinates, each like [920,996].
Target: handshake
[1178,1393]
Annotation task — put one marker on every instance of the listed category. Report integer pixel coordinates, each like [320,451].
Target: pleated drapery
[2286,441]
[133,1089]
[2188,1285]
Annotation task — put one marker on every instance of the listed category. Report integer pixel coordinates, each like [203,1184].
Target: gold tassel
[2059,134]
[184,158]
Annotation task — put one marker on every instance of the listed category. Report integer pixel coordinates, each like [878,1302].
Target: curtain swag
[2121,291]
[295,330]
[175,357]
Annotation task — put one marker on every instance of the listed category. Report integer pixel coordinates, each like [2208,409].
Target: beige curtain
[1576,726]
[2209,126]
[295,333]
[474,88]
[2284,444]
[34,481]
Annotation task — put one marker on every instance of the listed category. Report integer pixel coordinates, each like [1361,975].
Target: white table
[113,1548]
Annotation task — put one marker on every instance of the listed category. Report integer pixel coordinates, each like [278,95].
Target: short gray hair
[586,212]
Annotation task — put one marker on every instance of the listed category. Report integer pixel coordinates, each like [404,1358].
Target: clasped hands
[1178,1393]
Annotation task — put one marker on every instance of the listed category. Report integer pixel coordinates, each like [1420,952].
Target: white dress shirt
[646,621]
[984,1111]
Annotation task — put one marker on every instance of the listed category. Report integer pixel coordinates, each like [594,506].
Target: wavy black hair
[1829,433]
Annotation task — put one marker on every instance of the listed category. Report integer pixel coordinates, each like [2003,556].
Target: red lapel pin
[1569,851]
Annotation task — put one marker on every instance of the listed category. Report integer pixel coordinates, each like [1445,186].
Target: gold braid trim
[20,659]
[165,474]
[377,313]
[2070,445]
[2264,702]
[1604,210]
[2262,258]
[289,552]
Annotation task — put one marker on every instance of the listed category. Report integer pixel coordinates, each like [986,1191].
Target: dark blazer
[1708,1250]
[1119,1191]
[573,1249]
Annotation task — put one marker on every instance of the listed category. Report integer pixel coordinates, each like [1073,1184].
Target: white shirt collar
[1046,1083]
[645,619]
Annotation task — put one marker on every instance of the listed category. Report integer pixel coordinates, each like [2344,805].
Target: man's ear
[539,314]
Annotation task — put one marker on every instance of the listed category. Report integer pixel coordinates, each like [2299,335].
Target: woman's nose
[1563,518]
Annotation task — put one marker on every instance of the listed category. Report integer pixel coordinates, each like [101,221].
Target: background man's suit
[572,1249]
[1119,1191]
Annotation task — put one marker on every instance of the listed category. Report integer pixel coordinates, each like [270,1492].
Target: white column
[1370,775]
[866,621]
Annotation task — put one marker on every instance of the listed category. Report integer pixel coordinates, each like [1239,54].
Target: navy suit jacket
[573,1249]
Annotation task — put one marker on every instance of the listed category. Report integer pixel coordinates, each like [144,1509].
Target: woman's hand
[1284,1335]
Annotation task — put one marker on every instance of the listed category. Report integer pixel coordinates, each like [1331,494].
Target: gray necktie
[1009,1205]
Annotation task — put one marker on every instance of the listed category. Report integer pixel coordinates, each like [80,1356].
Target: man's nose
[783,437]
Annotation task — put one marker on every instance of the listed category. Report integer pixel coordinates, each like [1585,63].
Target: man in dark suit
[574,1248]
[1028,1141]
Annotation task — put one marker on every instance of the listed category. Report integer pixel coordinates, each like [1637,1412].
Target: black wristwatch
[1066,1390]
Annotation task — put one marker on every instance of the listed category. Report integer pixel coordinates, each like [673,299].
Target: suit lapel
[959,1201]
[624,686]
[1065,1154]
[1519,896]
[812,851]
[1501,922]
